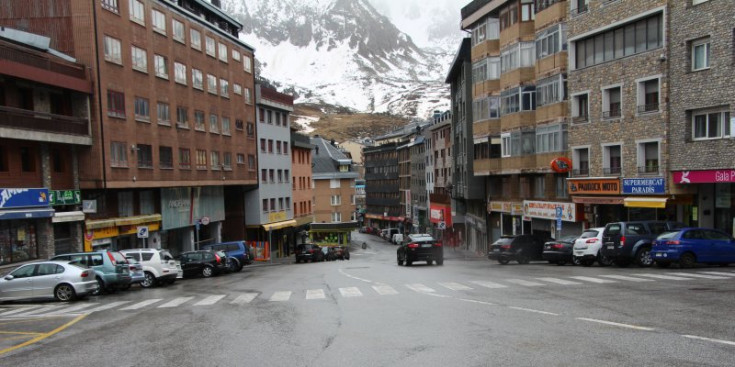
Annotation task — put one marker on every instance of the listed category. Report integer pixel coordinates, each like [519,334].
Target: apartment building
[382,197]
[619,99]
[419,196]
[172,115]
[44,124]
[702,128]
[438,172]
[303,192]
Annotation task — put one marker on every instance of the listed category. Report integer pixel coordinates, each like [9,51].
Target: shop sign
[184,206]
[710,176]
[23,198]
[440,214]
[595,186]
[104,233]
[548,210]
[505,207]
[561,165]
[644,186]
[65,197]
[276,217]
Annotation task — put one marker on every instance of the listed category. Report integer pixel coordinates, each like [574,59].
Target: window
[486,69]
[486,108]
[551,90]
[251,162]
[337,217]
[215,160]
[113,50]
[648,96]
[236,55]
[178,30]
[270,146]
[700,54]
[195,37]
[265,205]
[287,175]
[611,160]
[262,145]
[551,41]
[581,159]
[539,187]
[271,175]
[140,59]
[551,139]
[285,148]
[518,99]
[527,11]
[159,21]
[336,200]
[209,44]
[111,5]
[240,158]
[237,89]
[161,66]
[489,29]
[561,187]
[288,203]
[222,52]
[334,183]
[224,88]
[180,73]
[273,204]
[246,64]
[211,84]
[278,147]
[115,104]
[280,176]
[628,39]
[197,81]
[201,159]
[611,103]
[226,126]
[27,159]
[165,157]
[509,15]
[280,203]
[184,158]
[164,115]
[648,157]
[580,108]
[145,156]
[227,161]
[142,109]
[182,117]
[137,12]
[199,120]
[520,55]
[213,124]
[263,176]
[579,6]
[118,154]
[505,145]
[248,99]
[711,125]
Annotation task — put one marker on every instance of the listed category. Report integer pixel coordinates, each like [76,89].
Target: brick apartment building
[303,194]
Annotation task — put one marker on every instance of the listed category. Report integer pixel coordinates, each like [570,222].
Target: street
[368,311]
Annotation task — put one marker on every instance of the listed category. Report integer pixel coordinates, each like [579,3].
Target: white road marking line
[107,306]
[73,308]
[176,302]
[558,281]
[417,287]
[486,284]
[18,310]
[244,298]
[39,311]
[534,311]
[524,283]
[350,292]
[281,296]
[476,301]
[627,278]
[315,294]
[354,277]
[385,290]
[594,280]
[454,286]
[140,305]
[703,276]
[628,326]
[709,339]
[718,273]
[210,300]
[659,276]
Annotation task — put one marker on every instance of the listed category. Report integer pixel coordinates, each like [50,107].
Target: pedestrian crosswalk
[470,286]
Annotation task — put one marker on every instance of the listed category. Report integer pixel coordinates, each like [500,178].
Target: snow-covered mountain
[343,53]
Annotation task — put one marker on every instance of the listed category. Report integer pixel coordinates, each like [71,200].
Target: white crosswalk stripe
[176,302]
[417,287]
[525,283]
[350,292]
[558,281]
[660,276]
[702,276]
[594,280]
[384,290]
[315,294]
[718,273]
[487,284]
[107,306]
[71,309]
[626,278]
[39,311]
[140,305]
[281,296]
[210,300]
[17,310]
[244,298]
[455,286]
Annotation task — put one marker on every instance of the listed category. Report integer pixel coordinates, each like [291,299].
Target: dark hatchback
[237,251]
[559,251]
[204,262]
[420,247]
[522,248]
[309,252]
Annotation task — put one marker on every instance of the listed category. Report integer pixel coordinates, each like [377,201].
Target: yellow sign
[276,217]
[133,229]
[105,233]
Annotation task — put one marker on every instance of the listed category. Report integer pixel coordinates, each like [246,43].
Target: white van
[397,238]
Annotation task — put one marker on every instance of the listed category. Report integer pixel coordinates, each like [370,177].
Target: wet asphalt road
[370,312]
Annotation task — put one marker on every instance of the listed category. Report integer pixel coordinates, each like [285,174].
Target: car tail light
[438,244]
[591,240]
[413,245]
[85,273]
[675,242]
[505,247]
[219,260]
[622,241]
[112,258]
[557,245]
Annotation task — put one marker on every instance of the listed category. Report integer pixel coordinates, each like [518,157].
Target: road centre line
[709,339]
[534,311]
[354,277]
[628,326]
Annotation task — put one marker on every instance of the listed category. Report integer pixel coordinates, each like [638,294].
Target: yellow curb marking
[44,335]
[30,320]
[15,337]
[19,333]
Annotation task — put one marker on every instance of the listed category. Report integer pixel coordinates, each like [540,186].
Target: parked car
[559,251]
[626,242]
[110,267]
[341,252]
[237,251]
[204,262]
[397,239]
[159,266]
[308,252]
[137,275]
[521,248]
[388,233]
[62,280]
[328,252]
[587,248]
[420,247]
[689,246]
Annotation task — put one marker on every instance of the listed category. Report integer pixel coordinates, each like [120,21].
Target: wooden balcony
[518,164]
[32,125]
[485,167]
[521,31]
[518,120]
[552,64]
[552,112]
[486,127]
[485,88]
[517,77]
[485,49]
[551,15]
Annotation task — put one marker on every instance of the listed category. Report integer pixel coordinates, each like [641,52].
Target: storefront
[442,227]
[192,217]
[331,234]
[384,221]
[25,225]
[553,219]
[67,222]
[601,199]
[138,231]
[506,219]
[277,235]
[713,203]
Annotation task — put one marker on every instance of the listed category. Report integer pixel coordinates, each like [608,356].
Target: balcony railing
[581,172]
[11,54]
[650,169]
[579,10]
[648,108]
[612,114]
[611,171]
[580,119]
[41,121]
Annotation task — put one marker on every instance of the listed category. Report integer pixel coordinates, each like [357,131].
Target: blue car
[237,251]
[688,246]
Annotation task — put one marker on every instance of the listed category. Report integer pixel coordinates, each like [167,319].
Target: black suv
[204,262]
[309,252]
[420,247]
[237,251]
[522,248]
[626,242]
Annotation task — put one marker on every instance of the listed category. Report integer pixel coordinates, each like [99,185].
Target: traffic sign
[65,197]
[142,231]
[205,220]
[442,225]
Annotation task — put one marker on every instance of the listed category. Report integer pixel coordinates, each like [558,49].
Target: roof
[326,159]
[462,55]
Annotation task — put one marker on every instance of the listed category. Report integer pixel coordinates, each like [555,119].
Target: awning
[279,225]
[125,221]
[26,214]
[634,202]
[63,217]
[604,200]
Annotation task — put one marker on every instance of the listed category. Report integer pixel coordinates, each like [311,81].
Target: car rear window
[118,257]
[147,256]
[589,234]
[613,229]
[134,255]
[96,260]
[634,229]
[166,256]
[503,241]
[668,235]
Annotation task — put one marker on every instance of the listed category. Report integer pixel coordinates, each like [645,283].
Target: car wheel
[603,260]
[576,261]
[149,281]
[587,262]
[65,293]
[440,262]
[400,262]
[560,263]
[100,287]
[207,271]
[643,257]
[235,265]
[523,259]
[687,260]
[503,261]
[663,264]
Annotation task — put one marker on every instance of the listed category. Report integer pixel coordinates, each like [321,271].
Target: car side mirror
[9,277]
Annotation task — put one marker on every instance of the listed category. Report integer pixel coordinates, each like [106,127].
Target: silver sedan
[62,280]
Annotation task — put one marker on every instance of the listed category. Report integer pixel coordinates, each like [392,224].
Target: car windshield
[589,234]
[570,238]
[668,235]
[504,241]
[118,257]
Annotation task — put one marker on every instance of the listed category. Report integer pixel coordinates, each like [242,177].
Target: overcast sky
[424,20]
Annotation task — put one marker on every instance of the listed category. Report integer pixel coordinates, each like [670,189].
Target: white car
[397,239]
[587,247]
[158,265]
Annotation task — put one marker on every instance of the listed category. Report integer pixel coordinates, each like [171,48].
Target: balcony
[485,88]
[648,108]
[30,125]
[582,119]
[518,120]
[552,112]
[485,49]
[518,164]
[612,171]
[518,31]
[581,172]
[486,127]
[649,169]
[517,77]
[552,64]
[550,15]
[543,160]
[485,167]
[612,114]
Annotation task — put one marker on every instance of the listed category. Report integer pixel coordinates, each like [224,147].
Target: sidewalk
[456,253]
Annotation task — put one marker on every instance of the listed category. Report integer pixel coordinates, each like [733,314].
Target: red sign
[440,213]
[711,176]
[561,165]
